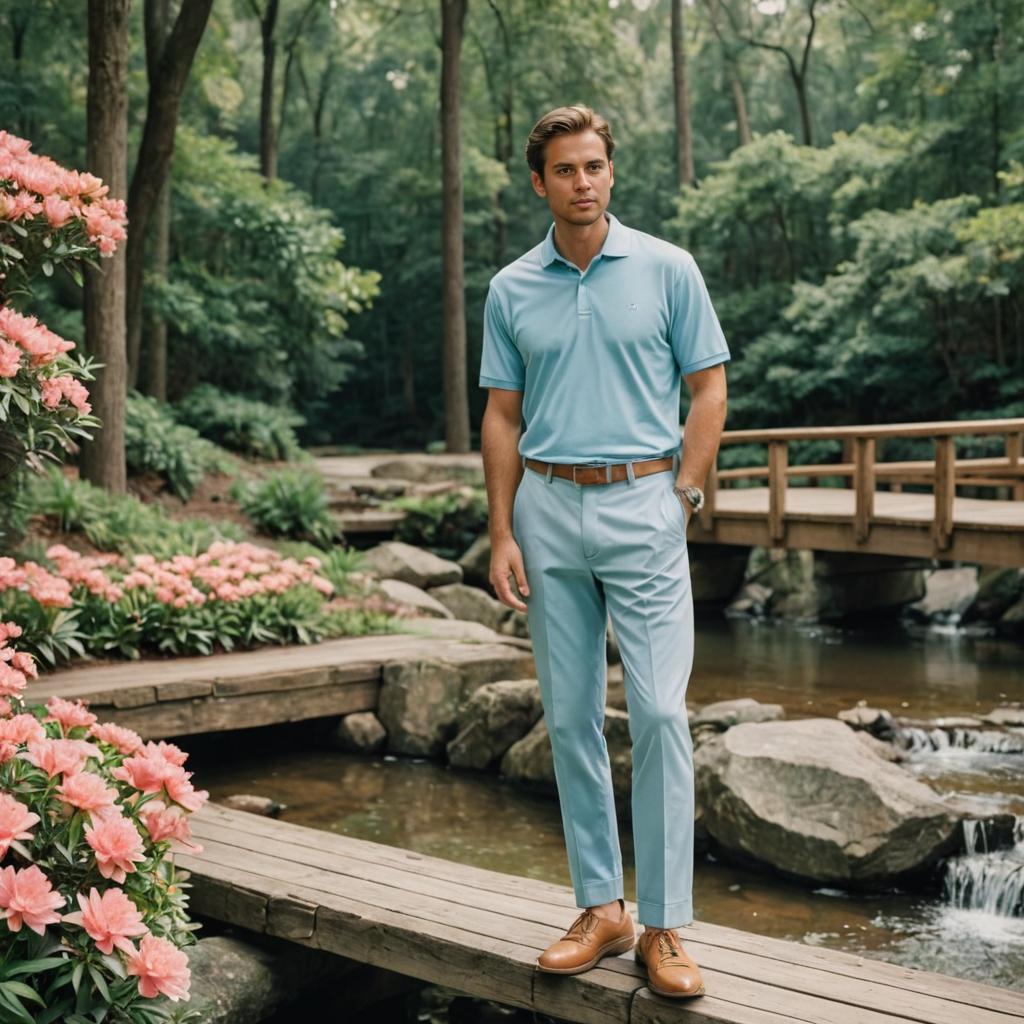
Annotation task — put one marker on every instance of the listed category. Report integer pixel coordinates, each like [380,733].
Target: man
[585,339]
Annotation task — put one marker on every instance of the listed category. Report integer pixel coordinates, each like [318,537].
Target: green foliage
[289,503]
[244,425]
[156,442]
[337,563]
[122,523]
[258,301]
[446,524]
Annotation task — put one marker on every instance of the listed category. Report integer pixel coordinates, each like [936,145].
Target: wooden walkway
[480,932]
[181,696]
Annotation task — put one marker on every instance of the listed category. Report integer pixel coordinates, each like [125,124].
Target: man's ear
[538,183]
[611,174]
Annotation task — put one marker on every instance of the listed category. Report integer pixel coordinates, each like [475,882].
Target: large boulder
[418,706]
[476,562]
[360,733]
[724,714]
[424,603]
[471,603]
[397,560]
[814,801]
[999,589]
[493,718]
[947,595]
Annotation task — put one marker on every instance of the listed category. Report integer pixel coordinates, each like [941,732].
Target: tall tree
[456,399]
[103,460]
[153,165]
[267,17]
[731,62]
[681,95]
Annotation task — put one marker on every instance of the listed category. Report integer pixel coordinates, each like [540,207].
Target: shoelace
[580,930]
[668,949]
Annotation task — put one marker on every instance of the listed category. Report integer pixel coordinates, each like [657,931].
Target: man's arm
[702,431]
[503,469]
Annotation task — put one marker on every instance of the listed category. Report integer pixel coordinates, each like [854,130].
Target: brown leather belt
[584,474]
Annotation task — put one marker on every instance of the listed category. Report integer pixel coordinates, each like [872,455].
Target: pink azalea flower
[15,820]
[26,897]
[21,729]
[117,844]
[161,968]
[69,714]
[164,822]
[57,757]
[125,740]
[5,707]
[168,751]
[10,359]
[110,918]
[86,791]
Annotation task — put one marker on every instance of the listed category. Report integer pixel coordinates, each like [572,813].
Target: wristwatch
[692,495]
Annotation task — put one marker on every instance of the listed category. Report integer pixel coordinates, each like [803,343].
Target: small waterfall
[991,882]
[914,740]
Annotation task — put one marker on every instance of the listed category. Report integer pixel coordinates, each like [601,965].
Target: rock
[361,733]
[253,804]
[724,714]
[237,982]
[877,721]
[516,624]
[753,599]
[471,603]
[495,716]
[418,706]
[476,562]
[466,469]
[947,594]
[529,760]
[421,600]
[880,747]
[814,801]
[1007,715]
[397,560]
[1011,622]
[998,590]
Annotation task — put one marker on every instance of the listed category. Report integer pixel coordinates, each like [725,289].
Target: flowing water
[973,928]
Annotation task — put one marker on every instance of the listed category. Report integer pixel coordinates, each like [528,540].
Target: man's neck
[580,243]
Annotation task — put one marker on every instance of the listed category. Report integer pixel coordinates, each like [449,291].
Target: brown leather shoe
[588,939]
[670,970]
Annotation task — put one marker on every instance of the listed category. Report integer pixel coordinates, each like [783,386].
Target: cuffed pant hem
[665,915]
[593,894]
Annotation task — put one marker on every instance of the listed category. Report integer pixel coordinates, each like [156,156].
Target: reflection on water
[480,819]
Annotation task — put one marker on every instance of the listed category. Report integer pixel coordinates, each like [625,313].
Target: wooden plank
[945,492]
[863,487]
[939,428]
[806,968]
[777,456]
[347,875]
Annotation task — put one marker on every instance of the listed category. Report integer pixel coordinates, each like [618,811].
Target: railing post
[863,487]
[777,460]
[1014,455]
[945,490]
[707,514]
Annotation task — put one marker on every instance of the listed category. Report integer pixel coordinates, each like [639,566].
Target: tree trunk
[739,100]
[103,461]
[152,168]
[268,127]
[681,94]
[456,401]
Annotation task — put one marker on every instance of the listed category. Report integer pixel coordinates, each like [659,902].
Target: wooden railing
[944,473]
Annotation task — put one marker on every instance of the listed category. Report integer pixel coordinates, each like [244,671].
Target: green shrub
[446,524]
[289,503]
[336,563]
[244,425]
[156,442]
[122,523]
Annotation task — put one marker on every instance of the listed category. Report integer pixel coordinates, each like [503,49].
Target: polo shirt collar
[617,242]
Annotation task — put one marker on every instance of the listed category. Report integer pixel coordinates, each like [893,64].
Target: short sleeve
[696,335]
[501,365]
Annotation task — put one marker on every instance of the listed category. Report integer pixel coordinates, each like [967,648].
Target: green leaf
[19,988]
[31,966]
[100,982]
[13,1004]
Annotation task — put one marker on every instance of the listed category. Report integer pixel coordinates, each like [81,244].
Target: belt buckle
[588,465]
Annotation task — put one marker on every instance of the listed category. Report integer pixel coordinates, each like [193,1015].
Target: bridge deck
[480,932]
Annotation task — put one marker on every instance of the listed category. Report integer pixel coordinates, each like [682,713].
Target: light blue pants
[618,549]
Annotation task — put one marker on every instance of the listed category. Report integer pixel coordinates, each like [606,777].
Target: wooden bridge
[842,506]
[480,932]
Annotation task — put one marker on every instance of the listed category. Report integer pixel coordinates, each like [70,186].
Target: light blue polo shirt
[599,355]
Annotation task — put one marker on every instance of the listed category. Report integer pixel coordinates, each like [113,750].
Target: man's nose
[582,181]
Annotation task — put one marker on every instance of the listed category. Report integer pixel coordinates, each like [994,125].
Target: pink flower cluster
[40,584]
[16,667]
[26,334]
[117,839]
[86,570]
[32,185]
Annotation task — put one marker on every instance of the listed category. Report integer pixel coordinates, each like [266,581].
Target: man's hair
[565,121]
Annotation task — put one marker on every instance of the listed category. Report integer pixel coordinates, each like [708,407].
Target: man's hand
[507,560]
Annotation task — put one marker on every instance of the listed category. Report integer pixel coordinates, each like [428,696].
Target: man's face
[578,177]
